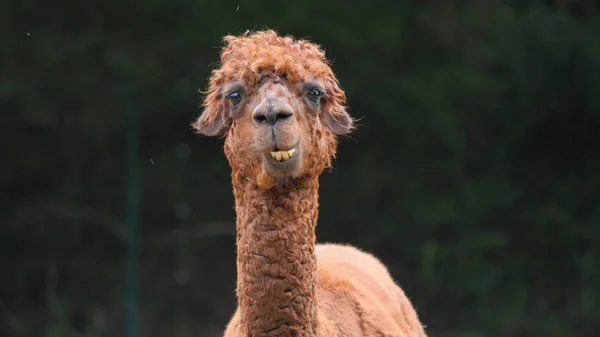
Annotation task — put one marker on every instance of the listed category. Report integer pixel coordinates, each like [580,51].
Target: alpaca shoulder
[357,292]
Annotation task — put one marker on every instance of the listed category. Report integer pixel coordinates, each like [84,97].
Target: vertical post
[132,218]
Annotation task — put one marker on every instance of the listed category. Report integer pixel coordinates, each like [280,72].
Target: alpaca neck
[276,260]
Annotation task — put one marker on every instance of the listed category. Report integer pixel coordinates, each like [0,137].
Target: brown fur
[287,285]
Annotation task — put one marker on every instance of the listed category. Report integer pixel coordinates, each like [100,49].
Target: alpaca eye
[314,95]
[234,97]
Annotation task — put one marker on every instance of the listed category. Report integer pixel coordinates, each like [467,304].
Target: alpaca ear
[339,121]
[214,121]
[335,115]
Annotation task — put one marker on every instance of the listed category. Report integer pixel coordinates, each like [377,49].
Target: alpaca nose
[271,113]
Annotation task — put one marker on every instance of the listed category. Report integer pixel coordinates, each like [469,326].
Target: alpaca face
[279,105]
[276,126]
[277,129]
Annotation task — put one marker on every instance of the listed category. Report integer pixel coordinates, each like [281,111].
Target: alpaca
[280,109]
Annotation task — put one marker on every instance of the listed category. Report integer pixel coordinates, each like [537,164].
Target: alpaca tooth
[282,155]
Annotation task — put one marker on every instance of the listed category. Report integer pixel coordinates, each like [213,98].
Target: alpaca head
[279,106]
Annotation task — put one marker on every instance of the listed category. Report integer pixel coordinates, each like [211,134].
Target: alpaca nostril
[260,118]
[283,114]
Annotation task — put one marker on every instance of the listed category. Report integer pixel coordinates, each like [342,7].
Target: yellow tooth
[273,155]
[285,155]
[291,152]
[278,155]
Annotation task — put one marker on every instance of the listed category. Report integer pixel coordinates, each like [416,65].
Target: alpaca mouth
[282,163]
[282,156]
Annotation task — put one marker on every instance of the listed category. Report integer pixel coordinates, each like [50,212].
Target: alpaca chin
[265,181]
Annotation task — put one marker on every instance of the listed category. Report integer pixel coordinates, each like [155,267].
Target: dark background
[474,174]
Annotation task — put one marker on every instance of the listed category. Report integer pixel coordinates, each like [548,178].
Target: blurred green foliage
[474,174]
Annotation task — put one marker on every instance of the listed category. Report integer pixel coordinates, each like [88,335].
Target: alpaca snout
[276,129]
[272,111]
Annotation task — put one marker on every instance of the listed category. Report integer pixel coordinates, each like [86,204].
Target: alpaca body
[355,297]
[289,286]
